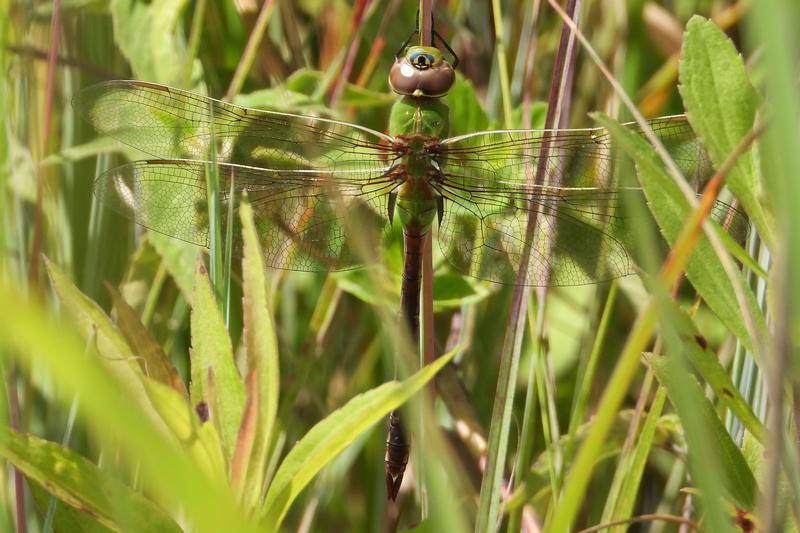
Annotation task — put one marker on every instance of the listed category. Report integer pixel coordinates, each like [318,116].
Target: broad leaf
[154,361]
[721,105]
[117,419]
[98,330]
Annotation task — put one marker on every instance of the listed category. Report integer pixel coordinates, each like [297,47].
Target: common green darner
[304,174]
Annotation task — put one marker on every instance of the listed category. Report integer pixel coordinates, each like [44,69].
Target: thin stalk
[227,259]
[491,488]
[194,41]
[426,22]
[694,526]
[214,220]
[153,293]
[337,89]
[586,372]
[36,246]
[249,54]
[502,63]
[541,377]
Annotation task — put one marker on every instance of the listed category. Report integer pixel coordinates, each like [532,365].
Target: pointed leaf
[721,105]
[76,481]
[724,461]
[325,440]
[214,371]
[705,361]
[155,362]
[263,377]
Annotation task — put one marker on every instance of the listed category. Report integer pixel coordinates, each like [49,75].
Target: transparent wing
[171,123]
[581,234]
[299,215]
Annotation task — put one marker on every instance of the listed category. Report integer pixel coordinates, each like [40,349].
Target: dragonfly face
[421,72]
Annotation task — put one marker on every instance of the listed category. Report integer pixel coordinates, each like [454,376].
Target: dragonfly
[306,175]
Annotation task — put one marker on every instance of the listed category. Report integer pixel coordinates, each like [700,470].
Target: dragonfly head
[422,72]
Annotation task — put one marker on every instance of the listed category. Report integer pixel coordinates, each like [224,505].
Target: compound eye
[422,60]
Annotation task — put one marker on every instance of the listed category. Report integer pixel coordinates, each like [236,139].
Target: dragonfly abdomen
[396,459]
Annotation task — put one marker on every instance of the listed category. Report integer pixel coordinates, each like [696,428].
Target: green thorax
[419,116]
[418,122]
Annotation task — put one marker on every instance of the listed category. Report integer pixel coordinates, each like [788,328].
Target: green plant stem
[194,41]
[249,54]
[502,63]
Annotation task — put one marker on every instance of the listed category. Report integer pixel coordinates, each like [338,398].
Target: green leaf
[711,466]
[466,113]
[95,147]
[721,105]
[453,290]
[671,210]
[706,363]
[200,440]
[65,518]
[82,485]
[249,464]
[215,378]
[307,82]
[155,362]
[179,258]
[326,439]
[146,35]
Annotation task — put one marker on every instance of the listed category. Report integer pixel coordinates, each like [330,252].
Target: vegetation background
[679,410]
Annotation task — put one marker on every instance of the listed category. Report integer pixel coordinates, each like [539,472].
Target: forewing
[581,234]
[302,217]
[171,123]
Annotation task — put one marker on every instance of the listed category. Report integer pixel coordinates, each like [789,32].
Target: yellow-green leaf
[215,378]
[154,361]
[263,379]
